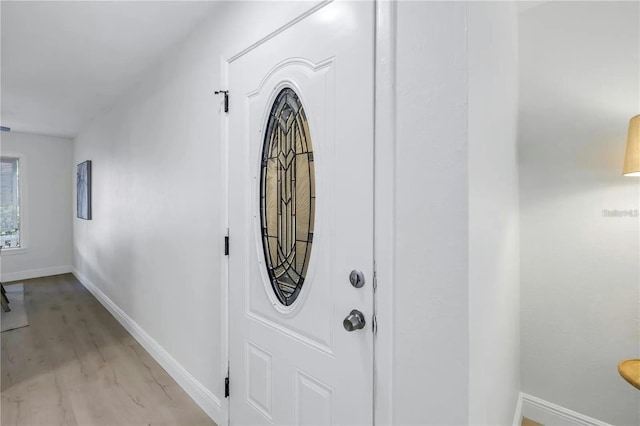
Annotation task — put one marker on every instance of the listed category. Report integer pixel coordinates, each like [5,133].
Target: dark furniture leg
[5,300]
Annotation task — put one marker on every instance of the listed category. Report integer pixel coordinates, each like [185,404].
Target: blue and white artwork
[84,190]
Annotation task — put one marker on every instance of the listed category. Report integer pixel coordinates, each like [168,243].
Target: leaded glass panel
[287,196]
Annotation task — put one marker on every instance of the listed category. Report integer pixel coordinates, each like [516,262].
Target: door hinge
[375,279]
[226,387]
[226,245]
[226,98]
[374,325]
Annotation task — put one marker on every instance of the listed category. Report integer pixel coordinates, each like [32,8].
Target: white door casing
[297,364]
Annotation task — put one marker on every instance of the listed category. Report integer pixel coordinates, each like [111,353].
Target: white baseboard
[550,414]
[35,273]
[196,390]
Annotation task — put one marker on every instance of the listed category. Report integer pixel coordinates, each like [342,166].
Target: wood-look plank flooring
[76,365]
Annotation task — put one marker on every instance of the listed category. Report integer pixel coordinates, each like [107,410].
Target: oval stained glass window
[287,196]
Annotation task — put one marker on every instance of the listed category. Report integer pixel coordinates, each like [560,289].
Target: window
[9,203]
[287,196]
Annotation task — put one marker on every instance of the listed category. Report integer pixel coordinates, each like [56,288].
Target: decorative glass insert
[287,196]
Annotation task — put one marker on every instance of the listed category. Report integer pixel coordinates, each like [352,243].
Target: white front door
[301,220]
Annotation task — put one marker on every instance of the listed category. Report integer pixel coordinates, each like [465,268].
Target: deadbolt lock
[356,278]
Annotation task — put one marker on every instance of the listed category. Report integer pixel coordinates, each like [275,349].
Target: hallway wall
[431,312]
[456,281]
[46,207]
[494,234]
[579,68]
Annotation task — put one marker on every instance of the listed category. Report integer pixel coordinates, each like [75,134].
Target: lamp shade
[632,156]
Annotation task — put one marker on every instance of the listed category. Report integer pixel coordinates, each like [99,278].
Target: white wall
[494,277]
[579,68]
[431,354]
[154,247]
[47,210]
[456,215]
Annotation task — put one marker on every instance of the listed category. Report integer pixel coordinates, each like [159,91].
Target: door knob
[354,321]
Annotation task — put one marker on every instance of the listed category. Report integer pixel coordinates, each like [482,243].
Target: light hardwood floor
[76,365]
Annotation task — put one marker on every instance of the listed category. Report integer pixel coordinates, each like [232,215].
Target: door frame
[384,203]
[384,172]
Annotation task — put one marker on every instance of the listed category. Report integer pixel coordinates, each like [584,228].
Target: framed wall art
[83,195]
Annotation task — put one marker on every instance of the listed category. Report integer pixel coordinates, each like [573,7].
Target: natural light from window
[9,203]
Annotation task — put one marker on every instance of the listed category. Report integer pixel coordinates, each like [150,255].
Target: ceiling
[65,62]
